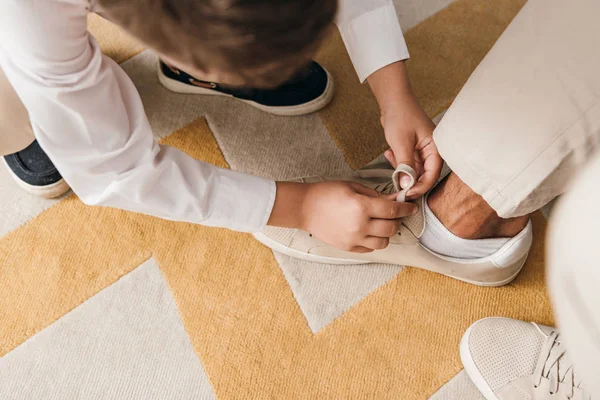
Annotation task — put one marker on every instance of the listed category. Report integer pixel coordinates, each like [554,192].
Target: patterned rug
[102,303]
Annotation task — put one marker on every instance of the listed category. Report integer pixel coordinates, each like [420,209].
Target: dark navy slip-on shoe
[309,91]
[34,172]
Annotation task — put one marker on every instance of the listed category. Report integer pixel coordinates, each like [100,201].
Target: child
[89,120]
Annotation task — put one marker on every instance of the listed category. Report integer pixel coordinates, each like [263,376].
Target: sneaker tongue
[416,223]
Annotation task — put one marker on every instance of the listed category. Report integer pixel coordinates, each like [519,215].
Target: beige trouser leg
[573,250]
[15,129]
[529,116]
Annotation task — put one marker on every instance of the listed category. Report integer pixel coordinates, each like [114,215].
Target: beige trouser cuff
[529,116]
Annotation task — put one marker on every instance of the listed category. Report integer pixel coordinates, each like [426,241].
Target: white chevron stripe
[126,342]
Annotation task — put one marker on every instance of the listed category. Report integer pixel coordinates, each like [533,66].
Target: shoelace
[385,188]
[555,366]
[391,180]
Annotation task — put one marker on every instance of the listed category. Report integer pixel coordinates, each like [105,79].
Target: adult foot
[33,171]
[467,215]
[405,248]
[307,92]
[514,360]
[461,224]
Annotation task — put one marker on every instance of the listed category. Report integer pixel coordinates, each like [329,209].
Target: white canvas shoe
[499,269]
[514,360]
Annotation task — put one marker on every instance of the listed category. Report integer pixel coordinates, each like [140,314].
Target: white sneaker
[514,360]
[498,269]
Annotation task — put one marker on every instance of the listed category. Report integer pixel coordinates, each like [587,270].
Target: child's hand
[408,130]
[352,217]
[346,215]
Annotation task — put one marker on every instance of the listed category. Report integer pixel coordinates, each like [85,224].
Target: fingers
[361,249]
[382,208]
[390,197]
[376,243]
[432,167]
[383,228]
[405,181]
[361,189]
[389,155]
[413,162]
[403,152]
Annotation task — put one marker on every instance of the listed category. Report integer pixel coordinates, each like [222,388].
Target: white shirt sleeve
[88,117]
[372,35]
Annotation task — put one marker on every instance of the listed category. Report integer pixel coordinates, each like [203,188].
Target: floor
[100,303]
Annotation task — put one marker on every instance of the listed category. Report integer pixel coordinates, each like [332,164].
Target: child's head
[259,43]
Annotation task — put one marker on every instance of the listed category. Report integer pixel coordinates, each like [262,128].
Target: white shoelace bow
[403,169]
[554,365]
[388,186]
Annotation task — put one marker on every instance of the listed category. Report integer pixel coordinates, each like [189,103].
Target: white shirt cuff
[242,202]
[374,40]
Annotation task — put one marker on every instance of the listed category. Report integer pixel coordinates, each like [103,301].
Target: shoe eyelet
[202,84]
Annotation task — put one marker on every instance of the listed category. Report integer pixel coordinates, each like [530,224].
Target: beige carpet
[80,283]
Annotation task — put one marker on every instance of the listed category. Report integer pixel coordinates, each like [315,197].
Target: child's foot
[309,91]
[33,171]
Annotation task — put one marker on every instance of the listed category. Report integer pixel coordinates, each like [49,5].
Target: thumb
[404,153]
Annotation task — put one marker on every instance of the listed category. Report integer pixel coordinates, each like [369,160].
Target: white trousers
[15,128]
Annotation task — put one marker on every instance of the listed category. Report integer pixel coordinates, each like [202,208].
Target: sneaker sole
[471,369]
[278,247]
[289,111]
[47,192]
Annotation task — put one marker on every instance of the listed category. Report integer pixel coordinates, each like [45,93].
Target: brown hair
[254,42]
